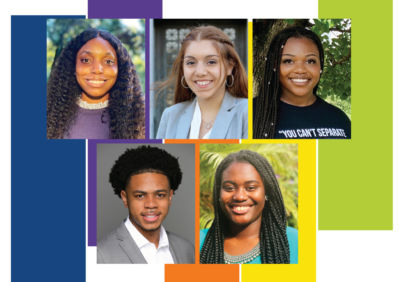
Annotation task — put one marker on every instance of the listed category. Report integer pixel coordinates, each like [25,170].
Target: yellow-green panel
[355,176]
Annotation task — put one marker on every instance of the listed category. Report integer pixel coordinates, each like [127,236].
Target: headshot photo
[199,79]
[248,204]
[145,204]
[302,79]
[94,90]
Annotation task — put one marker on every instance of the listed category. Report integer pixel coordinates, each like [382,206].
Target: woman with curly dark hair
[249,225]
[93,91]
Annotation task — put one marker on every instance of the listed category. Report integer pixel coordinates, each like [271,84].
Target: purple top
[90,124]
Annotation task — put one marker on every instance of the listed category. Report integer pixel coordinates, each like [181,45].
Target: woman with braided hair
[250,218]
[93,91]
[210,89]
[287,105]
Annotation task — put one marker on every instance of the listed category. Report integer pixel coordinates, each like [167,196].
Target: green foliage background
[282,157]
[130,32]
[335,84]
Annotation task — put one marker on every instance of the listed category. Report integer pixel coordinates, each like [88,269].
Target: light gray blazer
[119,247]
[231,121]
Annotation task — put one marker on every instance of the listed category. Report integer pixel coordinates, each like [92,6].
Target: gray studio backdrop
[110,209]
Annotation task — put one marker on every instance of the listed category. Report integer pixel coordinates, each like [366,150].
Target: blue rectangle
[47,176]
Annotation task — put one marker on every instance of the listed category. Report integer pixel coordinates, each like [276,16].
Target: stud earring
[266,199]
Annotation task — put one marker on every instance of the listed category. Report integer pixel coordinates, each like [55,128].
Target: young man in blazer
[145,179]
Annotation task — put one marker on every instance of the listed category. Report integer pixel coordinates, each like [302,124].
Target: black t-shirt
[317,121]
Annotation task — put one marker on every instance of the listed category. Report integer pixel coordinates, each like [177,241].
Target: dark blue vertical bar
[47,176]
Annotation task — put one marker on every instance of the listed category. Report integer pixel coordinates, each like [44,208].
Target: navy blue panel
[47,176]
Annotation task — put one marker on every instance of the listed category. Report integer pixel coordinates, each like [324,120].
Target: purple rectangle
[147,77]
[125,9]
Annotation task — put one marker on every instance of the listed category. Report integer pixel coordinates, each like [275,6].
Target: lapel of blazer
[224,117]
[129,246]
[185,120]
[173,249]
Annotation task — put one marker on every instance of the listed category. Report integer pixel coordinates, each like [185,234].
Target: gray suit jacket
[231,121]
[119,247]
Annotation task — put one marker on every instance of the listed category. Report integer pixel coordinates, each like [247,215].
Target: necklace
[209,124]
[86,105]
[245,258]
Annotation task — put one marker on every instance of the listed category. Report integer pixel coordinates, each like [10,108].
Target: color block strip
[305,270]
[355,176]
[201,141]
[201,273]
[124,9]
[147,75]
[250,78]
[47,176]
[197,205]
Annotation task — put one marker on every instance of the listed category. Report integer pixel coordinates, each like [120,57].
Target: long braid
[267,105]
[274,244]
[266,109]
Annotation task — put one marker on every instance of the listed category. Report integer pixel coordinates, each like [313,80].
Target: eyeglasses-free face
[148,198]
[204,69]
[242,196]
[96,69]
[299,73]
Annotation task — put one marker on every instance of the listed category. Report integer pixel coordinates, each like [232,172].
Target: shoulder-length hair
[126,100]
[269,93]
[228,53]
[274,244]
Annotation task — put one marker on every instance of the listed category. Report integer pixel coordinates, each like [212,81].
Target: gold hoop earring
[183,85]
[226,81]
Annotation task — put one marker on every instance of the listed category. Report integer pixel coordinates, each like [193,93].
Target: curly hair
[126,100]
[274,244]
[228,53]
[266,108]
[144,159]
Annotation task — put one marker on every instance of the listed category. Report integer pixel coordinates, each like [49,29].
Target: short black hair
[144,159]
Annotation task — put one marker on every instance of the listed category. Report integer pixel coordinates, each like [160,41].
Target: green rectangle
[356,176]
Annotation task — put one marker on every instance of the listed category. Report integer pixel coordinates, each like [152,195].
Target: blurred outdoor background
[335,34]
[131,32]
[283,159]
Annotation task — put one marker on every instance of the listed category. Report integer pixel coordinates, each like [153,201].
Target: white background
[344,256]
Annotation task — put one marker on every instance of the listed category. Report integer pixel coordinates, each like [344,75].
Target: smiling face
[299,71]
[204,69]
[242,195]
[96,69]
[147,197]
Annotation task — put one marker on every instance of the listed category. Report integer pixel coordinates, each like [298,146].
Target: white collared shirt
[152,254]
[196,123]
